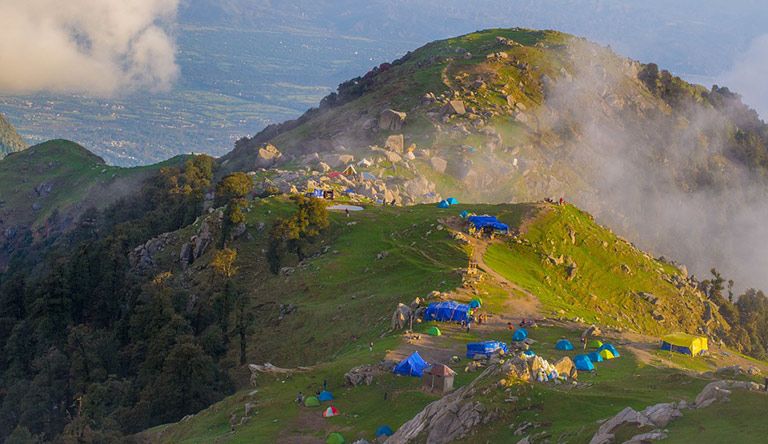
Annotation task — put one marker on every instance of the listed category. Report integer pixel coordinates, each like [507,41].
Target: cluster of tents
[314,401]
[336,438]
[445,203]
[602,352]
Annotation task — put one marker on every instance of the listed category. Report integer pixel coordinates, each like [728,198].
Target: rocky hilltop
[517,115]
[10,140]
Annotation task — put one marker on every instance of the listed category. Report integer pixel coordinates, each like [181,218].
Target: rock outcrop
[267,156]
[196,246]
[392,120]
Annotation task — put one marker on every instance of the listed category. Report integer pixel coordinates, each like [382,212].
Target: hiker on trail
[300,399]
[233,421]
[346,211]
[522,323]
[584,342]
[509,326]
[324,384]
[370,346]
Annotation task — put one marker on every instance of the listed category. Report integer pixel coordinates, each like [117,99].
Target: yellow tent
[684,343]
[606,354]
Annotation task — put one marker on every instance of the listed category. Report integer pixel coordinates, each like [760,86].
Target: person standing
[370,346]
[324,384]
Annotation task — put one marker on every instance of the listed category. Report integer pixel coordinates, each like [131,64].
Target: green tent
[434,331]
[312,402]
[334,438]
[595,343]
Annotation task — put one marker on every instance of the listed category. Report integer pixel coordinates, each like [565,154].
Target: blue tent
[452,201]
[384,430]
[443,204]
[464,213]
[595,356]
[583,363]
[325,395]
[610,348]
[485,348]
[316,193]
[488,221]
[475,304]
[411,366]
[520,334]
[447,312]
[529,353]
[564,345]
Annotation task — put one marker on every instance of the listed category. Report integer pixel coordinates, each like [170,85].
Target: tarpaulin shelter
[330,411]
[434,331]
[325,395]
[610,348]
[486,348]
[311,402]
[413,365]
[443,204]
[350,171]
[367,176]
[583,363]
[595,356]
[520,334]
[481,222]
[334,438]
[384,430]
[564,344]
[452,201]
[447,312]
[334,174]
[684,343]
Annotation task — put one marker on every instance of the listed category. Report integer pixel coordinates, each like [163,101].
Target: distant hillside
[516,115]
[10,140]
[45,188]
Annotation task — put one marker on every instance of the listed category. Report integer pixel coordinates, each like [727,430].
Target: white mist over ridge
[95,47]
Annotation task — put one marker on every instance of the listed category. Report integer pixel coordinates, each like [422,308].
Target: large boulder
[392,156]
[395,143]
[392,120]
[267,156]
[516,369]
[453,107]
[438,164]
[401,316]
[628,416]
[662,414]
[565,367]
[714,391]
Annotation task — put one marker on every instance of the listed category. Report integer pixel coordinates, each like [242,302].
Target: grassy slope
[10,140]
[342,308]
[80,180]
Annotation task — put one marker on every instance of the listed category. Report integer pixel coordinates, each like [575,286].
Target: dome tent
[564,344]
[595,343]
[434,331]
[443,204]
[595,356]
[325,395]
[520,334]
[476,303]
[384,430]
[311,402]
[330,411]
[334,438]
[452,201]
[606,354]
[583,363]
[610,348]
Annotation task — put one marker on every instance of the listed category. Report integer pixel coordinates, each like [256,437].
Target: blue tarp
[368,176]
[447,312]
[452,201]
[583,363]
[520,334]
[485,221]
[564,345]
[610,348]
[595,356]
[443,204]
[485,348]
[529,353]
[411,366]
[384,430]
[325,395]
[316,193]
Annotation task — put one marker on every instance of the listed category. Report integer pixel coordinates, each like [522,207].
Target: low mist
[749,74]
[661,177]
[95,47]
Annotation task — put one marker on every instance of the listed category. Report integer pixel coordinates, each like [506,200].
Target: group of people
[553,201]
[300,398]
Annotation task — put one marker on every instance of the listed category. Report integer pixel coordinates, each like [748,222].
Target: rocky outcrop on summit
[267,156]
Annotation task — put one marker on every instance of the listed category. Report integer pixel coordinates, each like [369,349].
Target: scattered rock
[453,107]
[267,156]
[438,164]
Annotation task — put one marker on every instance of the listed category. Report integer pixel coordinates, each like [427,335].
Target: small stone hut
[438,378]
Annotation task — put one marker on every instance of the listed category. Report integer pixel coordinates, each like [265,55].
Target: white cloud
[95,47]
[749,74]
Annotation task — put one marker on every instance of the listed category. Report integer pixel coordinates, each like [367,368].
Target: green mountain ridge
[132,299]
[10,140]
